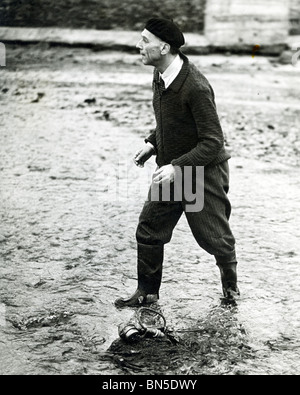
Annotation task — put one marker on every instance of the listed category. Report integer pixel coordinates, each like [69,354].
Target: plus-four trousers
[210,227]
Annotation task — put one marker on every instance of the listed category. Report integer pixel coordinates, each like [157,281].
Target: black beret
[166,30]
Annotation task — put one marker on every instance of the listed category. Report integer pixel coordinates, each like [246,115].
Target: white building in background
[248,22]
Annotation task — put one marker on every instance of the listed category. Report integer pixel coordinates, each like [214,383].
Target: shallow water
[70,200]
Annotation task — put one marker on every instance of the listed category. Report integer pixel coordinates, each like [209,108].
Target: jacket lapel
[179,80]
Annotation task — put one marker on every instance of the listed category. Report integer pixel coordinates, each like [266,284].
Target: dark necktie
[161,86]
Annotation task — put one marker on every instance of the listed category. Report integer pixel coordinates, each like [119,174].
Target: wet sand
[71,120]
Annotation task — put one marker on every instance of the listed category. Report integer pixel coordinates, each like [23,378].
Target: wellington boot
[137,299]
[229,280]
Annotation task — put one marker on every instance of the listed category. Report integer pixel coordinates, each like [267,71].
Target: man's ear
[165,48]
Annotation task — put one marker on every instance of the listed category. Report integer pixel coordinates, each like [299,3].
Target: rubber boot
[137,299]
[149,268]
[229,280]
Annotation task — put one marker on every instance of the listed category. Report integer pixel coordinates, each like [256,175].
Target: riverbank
[126,40]
[71,119]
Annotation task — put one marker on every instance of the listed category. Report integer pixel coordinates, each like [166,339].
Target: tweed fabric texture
[188,131]
[210,226]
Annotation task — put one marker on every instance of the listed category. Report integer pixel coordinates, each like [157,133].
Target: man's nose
[138,45]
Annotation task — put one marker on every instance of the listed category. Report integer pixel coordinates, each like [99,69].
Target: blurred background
[128,14]
[235,23]
[75,105]
[100,14]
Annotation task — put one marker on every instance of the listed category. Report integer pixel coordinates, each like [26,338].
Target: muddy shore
[70,122]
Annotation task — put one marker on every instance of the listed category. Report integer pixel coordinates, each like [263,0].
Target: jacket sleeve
[210,135]
[152,139]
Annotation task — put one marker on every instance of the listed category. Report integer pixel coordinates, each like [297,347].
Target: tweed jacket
[188,131]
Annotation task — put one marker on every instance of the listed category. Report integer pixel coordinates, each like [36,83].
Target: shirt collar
[172,71]
[179,80]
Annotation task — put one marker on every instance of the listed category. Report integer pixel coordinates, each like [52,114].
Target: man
[187,134]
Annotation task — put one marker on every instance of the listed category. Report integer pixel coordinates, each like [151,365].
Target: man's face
[150,48]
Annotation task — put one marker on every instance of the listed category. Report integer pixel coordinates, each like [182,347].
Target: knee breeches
[210,226]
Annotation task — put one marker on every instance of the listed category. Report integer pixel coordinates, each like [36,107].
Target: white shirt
[172,71]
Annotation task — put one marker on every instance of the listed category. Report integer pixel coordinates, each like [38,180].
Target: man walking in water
[187,134]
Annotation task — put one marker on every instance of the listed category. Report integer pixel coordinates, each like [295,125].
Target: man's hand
[164,174]
[143,155]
